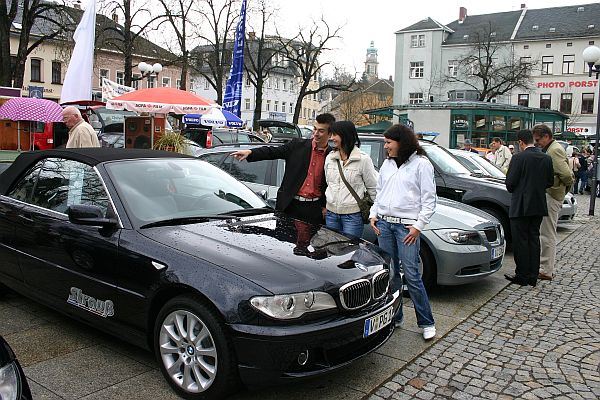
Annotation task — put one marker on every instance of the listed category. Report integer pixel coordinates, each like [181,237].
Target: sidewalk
[525,343]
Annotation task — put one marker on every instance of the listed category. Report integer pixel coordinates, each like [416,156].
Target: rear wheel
[193,350]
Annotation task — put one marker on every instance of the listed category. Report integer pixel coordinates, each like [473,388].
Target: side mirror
[263,194]
[82,214]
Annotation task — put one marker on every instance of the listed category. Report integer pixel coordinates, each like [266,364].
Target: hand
[374,226]
[241,154]
[412,236]
[324,211]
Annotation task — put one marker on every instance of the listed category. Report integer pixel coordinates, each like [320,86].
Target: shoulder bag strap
[352,192]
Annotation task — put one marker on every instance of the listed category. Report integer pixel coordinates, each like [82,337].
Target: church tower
[371,62]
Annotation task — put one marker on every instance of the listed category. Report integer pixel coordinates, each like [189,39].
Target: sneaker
[398,324]
[429,332]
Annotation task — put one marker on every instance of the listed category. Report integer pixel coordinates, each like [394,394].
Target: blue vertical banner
[232,100]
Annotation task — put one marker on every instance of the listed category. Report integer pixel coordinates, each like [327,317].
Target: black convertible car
[172,254]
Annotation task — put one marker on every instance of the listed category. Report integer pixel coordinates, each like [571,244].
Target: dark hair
[542,130]
[407,139]
[497,140]
[326,118]
[525,136]
[347,131]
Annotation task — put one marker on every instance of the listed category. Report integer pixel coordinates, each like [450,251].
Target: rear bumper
[270,354]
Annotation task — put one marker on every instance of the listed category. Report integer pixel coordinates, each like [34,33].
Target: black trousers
[309,211]
[526,247]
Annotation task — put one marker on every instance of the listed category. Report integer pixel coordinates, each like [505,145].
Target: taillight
[209,139]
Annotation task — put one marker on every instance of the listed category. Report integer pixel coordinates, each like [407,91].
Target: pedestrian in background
[302,191]
[582,180]
[349,174]
[575,166]
[81,134]
[502,154]
[563,180]
[468,146]
[529,175]
[511,147]
[404,204]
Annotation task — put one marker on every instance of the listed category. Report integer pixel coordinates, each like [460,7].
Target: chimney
[77,5]
[252,35]
[115,18]
[462,14]
[523,5]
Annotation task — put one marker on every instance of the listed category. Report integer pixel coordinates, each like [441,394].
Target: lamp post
[591,56]
[148,71]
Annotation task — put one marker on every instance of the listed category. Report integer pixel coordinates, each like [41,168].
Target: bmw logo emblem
[190,350]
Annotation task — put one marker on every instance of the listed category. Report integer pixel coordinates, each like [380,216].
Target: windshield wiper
[249,211]
[187,220]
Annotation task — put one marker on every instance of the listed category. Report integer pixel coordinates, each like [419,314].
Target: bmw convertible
[174,255]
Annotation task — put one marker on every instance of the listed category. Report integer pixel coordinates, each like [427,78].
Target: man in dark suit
[302,191]
[529,174]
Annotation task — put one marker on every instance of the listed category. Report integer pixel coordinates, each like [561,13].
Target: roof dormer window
[465,37]
[552,30]
[493,34]
[580,9]
[535,28]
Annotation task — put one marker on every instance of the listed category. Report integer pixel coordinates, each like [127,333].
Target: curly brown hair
[407,139]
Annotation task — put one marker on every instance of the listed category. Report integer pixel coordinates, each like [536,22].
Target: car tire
[428,267]
[213,373]
[500,216]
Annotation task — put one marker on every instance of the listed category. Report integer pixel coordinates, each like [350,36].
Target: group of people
[539,177]
[499,154]
[327,178]
[581,164]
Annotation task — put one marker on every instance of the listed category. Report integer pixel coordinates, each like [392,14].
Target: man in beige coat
[563,180]
[81,134]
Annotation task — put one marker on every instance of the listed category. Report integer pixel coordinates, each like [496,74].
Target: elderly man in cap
[467,146]
[511,147]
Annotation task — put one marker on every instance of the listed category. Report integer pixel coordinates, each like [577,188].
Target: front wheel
[193,350]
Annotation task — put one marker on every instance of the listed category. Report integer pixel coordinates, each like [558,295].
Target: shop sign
[578,129]
[558,84]
[460,124]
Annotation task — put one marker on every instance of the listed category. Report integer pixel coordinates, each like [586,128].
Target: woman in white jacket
[404,204]
[343,212]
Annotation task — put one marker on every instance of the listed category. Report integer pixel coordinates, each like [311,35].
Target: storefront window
[460,122]
[498,123]
[480,123]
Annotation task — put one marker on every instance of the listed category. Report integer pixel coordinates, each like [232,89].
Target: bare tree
[491,67]
[212,59]
[138,19]
[41,21]
[260,53]
[177,14]
[303,51]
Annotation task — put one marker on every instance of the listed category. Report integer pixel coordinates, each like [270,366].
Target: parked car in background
[460,245]
[453,180]
[172,254]
[479,165]
[13,383]
[281,131]
[207,137]
[306,130]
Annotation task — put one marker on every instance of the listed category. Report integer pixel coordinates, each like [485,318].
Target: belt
[300,198]
[397,220]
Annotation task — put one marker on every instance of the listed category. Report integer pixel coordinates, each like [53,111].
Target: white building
[554,38]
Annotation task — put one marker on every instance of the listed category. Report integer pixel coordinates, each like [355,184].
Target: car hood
[452,214]
[280,254]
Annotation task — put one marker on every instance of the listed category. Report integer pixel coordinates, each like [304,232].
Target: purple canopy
[31,109]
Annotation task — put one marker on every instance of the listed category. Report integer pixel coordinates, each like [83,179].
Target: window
[587,103]
[151,81]
[591,43]
[135,83]
[285,84]
[276,107]
[246,104]
[178,82]
[56,72]
[569,44]
[166,82]
[36,70]
[415,98]
[268,83]
[277,83]
[548,45]
[104,73]
[547,62]
[291,108]
[526,46]
[568,64]
[268,105]
[417,40]
[254,172]
[206,83]
[453,67]
[545,101]
[524,100]
[247,80]
[566,101]
[120,78]
[525,60]
[416,69]
[283,103]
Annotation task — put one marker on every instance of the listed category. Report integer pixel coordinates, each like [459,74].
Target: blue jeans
[581,181]
[350,224]
[391,240]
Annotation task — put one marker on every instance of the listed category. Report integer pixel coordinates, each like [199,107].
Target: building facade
[552,39]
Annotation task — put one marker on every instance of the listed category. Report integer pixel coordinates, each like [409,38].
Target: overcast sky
[377,20]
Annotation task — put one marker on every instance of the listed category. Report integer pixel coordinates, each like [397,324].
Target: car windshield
[283,131]
[444,160]
[112,116]
[488,167]
[169,188]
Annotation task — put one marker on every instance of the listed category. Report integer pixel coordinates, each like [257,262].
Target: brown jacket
[82,135]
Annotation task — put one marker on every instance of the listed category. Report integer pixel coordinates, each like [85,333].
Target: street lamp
[148,71]
[591,56]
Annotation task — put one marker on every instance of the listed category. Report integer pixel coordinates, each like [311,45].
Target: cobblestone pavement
[525,343]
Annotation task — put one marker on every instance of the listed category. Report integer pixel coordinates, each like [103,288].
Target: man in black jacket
[529,174]
[302,191]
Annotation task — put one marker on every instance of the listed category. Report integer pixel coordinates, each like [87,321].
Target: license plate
[379,321]
[497,252]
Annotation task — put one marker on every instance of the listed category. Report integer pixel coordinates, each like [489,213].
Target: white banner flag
[112,89]
[78,79]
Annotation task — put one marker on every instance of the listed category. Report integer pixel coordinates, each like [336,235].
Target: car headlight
[10,384]
[290,306]
[458,236]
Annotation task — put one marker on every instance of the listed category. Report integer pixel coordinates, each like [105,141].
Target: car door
[71,265]
[258,175]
